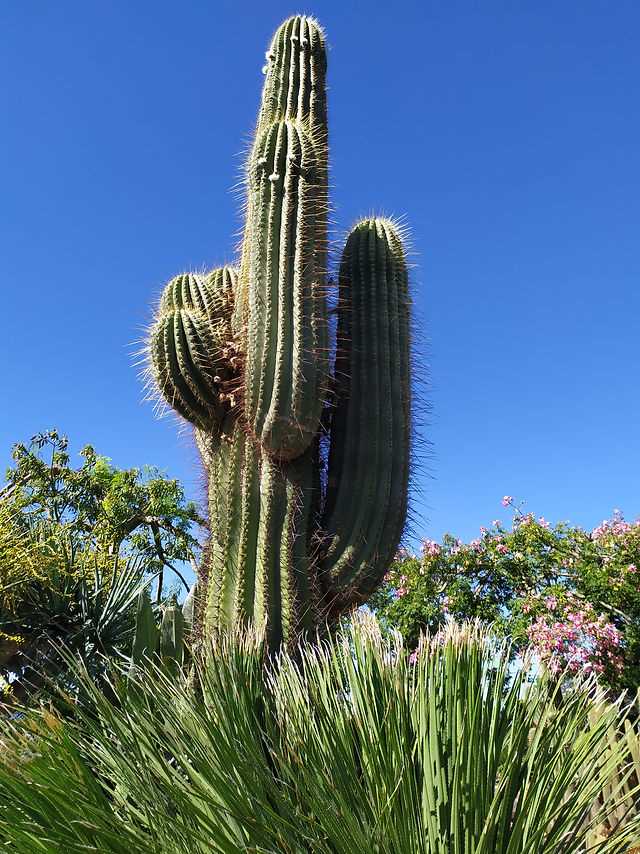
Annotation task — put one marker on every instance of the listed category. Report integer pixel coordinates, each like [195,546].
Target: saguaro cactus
[307,456]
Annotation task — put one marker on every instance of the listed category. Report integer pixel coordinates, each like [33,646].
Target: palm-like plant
[351,747]
[76,547]
[53,593]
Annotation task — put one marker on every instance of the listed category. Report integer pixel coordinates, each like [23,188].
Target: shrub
[354,745]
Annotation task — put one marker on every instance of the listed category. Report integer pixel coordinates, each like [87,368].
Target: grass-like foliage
[354,746]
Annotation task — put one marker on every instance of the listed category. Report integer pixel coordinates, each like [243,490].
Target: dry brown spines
[189,346]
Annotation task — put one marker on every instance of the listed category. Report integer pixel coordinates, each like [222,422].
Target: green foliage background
[77,544]
[510,577]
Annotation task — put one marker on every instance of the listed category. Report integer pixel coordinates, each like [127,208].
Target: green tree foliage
[354,746]
[76,547]
[574,594]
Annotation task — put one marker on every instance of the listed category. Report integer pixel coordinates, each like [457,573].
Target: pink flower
[614,527]
[496,523]
[413,657]
[430,548]
[577,640]
[506,501]
[551,602]
[543,522]
[502,549]
[526,608]
[632,568]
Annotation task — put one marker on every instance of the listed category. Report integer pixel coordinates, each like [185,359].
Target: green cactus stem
[164,643]
[190,345]
[307,465]
[295,83]
[370,428]
[285,367]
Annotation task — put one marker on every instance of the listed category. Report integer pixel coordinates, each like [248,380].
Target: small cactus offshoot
[304,439]
[163,644]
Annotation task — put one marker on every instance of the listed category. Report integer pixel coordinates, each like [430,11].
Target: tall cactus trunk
[298,536]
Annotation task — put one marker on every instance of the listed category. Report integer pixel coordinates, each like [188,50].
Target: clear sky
[505,134]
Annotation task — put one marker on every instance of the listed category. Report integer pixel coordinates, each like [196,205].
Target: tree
[76,547]
[574,594]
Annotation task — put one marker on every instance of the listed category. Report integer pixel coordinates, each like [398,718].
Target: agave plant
[80,599]
[353,746]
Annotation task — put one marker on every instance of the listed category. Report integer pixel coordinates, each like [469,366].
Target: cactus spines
[189,344]
[307,467]
[285,362]
[295,83]
[258,565]
[370,428]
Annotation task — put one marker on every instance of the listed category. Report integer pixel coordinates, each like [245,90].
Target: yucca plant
[351,746]
[626,735]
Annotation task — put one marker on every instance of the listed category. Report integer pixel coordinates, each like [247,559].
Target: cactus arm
[366,419]
[188,342]
[285,368]
[369,458]
[295,83]
[400,364]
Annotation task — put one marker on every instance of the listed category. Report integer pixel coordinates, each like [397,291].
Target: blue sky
[505,134]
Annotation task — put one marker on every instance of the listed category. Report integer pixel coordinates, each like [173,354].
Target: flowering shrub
[573,637]
[573,594]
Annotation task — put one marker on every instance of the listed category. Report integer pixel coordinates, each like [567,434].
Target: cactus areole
[303,428]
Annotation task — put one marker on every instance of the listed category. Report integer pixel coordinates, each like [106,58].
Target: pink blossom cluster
[430,548]
[402,589]
[613,527]
[576,639]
